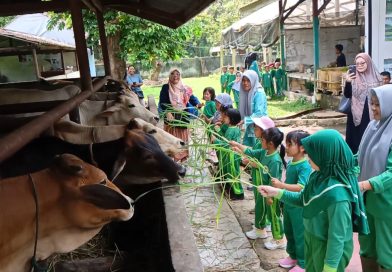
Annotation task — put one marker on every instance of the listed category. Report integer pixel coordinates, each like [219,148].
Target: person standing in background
[386,77]
[266,81]
[134,81]
[230,78]
[357,88]
[279,77]
[340,57]
[223,79]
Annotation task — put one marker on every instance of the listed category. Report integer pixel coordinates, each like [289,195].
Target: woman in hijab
[253,103]
[375,161]
[357,88]
[173,98]
[332,203]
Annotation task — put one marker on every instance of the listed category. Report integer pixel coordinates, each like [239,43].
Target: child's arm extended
[289,187]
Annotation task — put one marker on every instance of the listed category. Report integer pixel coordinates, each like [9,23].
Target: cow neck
[105,154]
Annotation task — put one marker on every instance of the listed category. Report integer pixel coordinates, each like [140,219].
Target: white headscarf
[377,139]
[246,97]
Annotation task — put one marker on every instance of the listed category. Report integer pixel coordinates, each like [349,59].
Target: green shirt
[332,225]
[380,199]
[298,173]
[223,79]
[230,78]
[209,109]
[266,80]
[272,162]
[279,73]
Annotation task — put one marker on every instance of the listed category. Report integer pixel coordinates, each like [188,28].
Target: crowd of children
[313,212]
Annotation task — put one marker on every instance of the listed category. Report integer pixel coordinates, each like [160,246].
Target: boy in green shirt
[230,78]
[223,79]
[279,77]
[266,81]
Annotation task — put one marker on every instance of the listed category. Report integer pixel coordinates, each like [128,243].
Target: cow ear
[109,111]
[104,197]
[132,124]
[69,164]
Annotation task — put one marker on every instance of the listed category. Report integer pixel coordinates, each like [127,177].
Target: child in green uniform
[229,163]
[266,79]
[279,77]
[223,79]
[235,87]
[297,174]
[332,203]
[209,108]
[261,222]
[230,78]
[375,162]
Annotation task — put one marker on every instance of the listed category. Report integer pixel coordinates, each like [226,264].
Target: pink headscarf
[178,93]
[361,86]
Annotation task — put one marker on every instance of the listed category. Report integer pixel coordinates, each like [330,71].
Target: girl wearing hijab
[375,161]
[235,87]
[173,98]
[253,103]
[332,203]
[357,88]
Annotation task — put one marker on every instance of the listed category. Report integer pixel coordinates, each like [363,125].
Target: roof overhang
[171,13]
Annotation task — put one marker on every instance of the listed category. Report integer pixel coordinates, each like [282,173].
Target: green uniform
[332,203]
[261,220]
[297,173]
[223,81]
[274,166]
[279,75]
[267,83]
[236,94]
[230,78]
[378,244]
[229,163]
[209,109]
[272,72]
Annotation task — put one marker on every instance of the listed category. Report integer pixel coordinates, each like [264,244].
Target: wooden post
[36,67]
[221,58]
[104,47]
[233,56]
[316,26]
[80,41]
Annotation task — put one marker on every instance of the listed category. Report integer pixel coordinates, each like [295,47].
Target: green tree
[131,38]
[218,16]
[5,20]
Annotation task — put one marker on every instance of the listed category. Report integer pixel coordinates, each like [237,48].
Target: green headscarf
[336,180]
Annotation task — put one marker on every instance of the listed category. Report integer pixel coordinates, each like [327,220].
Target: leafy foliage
[139,39]
[5,20]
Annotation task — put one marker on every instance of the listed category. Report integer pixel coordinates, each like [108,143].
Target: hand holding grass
[268,191]
[276,183]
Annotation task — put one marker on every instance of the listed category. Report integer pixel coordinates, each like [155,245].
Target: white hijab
[377,139]
[246,105]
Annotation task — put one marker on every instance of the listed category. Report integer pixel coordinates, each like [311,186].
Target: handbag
[344,105]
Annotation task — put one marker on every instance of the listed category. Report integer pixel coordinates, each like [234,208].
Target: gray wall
[299,45]
[17,71]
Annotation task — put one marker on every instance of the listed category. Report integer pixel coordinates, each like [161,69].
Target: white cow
[99,113]
[82,134]
[17,96]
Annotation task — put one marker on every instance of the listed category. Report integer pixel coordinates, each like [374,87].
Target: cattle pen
[167,225]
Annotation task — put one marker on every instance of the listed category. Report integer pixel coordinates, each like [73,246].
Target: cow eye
[152,131]
[131,106]
[103,182]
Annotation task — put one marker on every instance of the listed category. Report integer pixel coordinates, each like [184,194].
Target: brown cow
[75,200]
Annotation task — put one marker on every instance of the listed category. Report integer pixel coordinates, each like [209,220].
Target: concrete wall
[15,70]
[299,45]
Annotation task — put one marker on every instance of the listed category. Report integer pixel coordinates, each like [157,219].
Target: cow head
[89,199]
[127,107]
[170,144]
[143,161]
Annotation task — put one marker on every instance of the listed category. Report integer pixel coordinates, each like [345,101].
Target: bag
[345,105]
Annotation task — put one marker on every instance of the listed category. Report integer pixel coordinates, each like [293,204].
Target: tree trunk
[117,65]
[156,70]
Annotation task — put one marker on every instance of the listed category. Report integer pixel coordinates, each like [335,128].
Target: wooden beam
[36,67]
[104,47]
[80,41]
[326,2]
[291,9]
[98,5]
[89,5]
[32,7]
